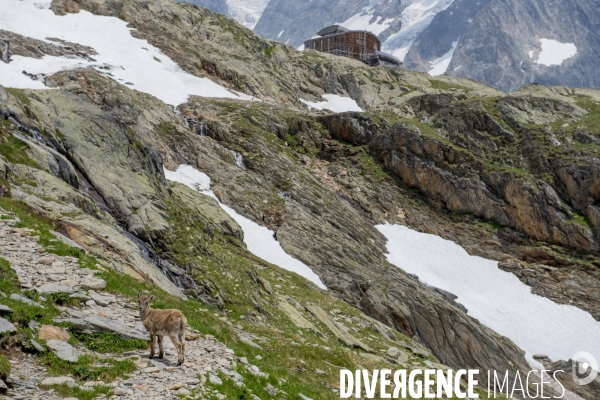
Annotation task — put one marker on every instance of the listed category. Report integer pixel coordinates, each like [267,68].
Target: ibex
[161,323]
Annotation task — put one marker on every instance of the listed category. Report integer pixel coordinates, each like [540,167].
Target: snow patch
[247,12]
[439,66]
[190,177]
[361,22]
[496,298]
[129,60]
[415,18]
[554,52]
[259,240]
[334,103]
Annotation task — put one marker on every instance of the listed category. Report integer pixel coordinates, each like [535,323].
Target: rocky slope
[512,178]
[219,6]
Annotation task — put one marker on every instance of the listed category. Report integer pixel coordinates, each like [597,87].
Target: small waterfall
[5,55]
[34,133]
[239,159]
[201,128]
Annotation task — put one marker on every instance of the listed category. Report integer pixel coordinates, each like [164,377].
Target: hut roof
[332,29]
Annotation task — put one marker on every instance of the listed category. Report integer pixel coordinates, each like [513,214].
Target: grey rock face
[302,20]
[496,47]
[436,40]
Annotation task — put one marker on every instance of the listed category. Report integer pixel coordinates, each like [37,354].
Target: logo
[585,368]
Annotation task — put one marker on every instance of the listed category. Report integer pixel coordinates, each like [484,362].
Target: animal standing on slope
[161,323]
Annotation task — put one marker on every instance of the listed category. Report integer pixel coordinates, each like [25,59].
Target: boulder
[23,299]
[336,329]
[85,323]
[37,347]
[54,287]
[48,332]
[5,309]
[94,284]
[57,380]
[393,352]
[296,316]
[63,350]
[99,299]
[6,326]
[81,296]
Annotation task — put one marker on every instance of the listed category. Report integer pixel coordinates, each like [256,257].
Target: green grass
[582,220]
[23,313]
[65,391]
[88,367]
[269,51]
[447,86]
[4,367]
[62,299]
[20,95]
[166,129]
[104,342]
[13,149]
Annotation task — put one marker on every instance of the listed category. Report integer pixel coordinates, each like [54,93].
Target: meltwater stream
[498,299]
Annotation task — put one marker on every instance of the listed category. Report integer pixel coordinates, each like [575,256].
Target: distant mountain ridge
[503,43]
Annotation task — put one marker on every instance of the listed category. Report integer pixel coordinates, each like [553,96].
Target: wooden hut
[360,45]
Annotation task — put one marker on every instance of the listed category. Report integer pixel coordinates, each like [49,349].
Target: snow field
[259,240]
[334,103]
[554,52]
[130,61]
[440,66]
[498,299]
[415,18]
